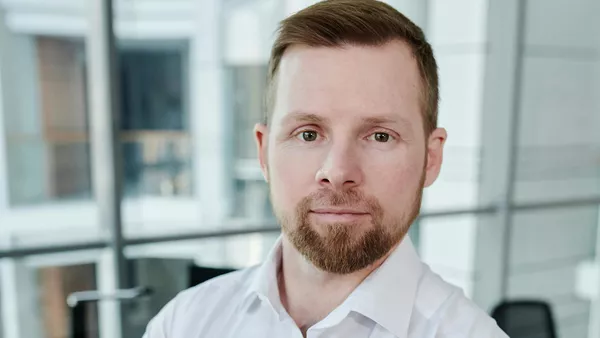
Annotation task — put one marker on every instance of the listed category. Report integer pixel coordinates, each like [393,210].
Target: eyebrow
[316,119]
[304,117]
[387,120]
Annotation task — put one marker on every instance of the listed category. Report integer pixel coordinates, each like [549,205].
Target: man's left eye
[380,137]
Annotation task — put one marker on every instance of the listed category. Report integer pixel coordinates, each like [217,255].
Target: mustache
[351,199]
[337,198]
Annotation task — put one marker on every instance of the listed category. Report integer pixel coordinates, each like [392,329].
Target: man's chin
[332,232]
[340,248]
[331,218]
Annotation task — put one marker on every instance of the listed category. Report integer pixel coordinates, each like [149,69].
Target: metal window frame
[270,226]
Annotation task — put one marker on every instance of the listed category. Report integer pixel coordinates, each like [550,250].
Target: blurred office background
[514,215]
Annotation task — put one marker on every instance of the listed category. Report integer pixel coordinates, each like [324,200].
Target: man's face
[345,153]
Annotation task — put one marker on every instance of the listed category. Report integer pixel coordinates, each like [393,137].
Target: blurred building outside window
[155,137]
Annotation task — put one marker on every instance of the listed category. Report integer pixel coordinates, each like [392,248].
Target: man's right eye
[308,135]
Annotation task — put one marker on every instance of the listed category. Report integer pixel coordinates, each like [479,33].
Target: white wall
[457,31]
[26,158]
[559,148]
[4,192]
[135,19]
[19,300]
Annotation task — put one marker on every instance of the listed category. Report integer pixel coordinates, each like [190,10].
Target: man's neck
[309,294]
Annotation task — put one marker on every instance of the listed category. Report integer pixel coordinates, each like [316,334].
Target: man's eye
[380,137]
[308,135]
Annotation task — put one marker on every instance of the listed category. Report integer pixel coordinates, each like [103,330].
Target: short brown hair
[334,23]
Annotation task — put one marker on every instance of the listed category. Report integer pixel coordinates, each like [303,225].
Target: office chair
[525,319]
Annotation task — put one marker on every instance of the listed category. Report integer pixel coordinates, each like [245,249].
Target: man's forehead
[298,52]
[382,79]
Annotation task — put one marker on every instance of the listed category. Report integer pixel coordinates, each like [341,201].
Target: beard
[344,248]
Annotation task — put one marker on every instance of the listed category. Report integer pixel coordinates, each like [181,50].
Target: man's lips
[338,211]
[338,214]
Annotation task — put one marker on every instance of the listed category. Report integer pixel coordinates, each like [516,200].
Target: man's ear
[261,136]
[435,155]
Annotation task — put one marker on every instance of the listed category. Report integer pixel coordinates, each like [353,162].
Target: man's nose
[341,168]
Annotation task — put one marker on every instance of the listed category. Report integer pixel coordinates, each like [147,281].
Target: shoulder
[231,285]
[225,292]
[446,307]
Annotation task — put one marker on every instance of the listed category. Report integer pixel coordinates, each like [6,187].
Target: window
[247,90]
[154,122]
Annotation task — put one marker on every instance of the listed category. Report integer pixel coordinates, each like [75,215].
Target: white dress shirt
[403,298]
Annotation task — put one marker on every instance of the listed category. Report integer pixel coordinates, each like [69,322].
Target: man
[349,141]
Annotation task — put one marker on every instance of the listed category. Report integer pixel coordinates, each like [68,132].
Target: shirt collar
[264,283]
[386,296]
